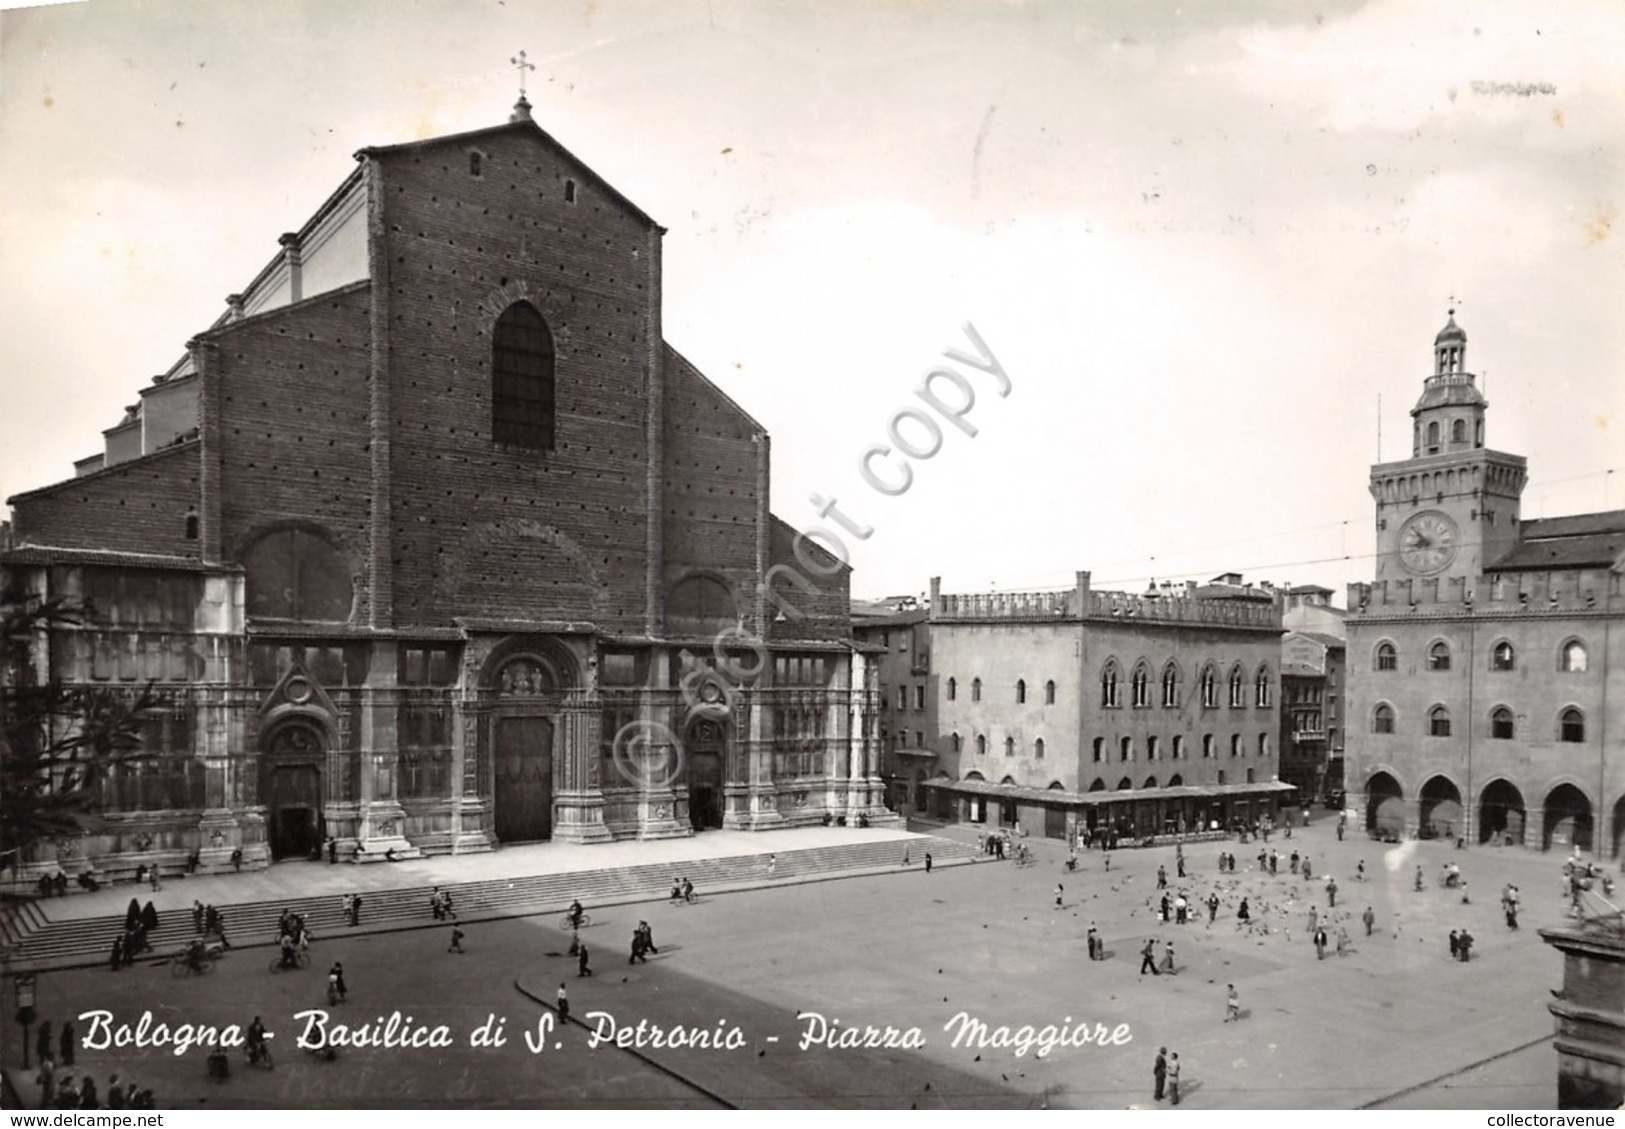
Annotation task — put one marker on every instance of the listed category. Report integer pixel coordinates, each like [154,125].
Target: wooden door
[524,779]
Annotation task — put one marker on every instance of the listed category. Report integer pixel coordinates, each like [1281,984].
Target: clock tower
[1452,507]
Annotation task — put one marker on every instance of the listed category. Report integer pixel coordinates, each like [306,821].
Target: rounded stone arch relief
[297,571]
[289,734]
[529,666]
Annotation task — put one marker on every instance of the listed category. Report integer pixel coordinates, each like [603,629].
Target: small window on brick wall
[569,192]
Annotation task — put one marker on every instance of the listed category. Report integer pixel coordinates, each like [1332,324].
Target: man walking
[456,939]
[1232,1005]
[582,967]
[563,1005]
[1159,1071]
[1059,893]
[928,862]
[1173,1080]
[1212,906]
[1148,958]
[1369,918]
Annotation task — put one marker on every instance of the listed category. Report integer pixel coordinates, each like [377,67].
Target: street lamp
[23,987]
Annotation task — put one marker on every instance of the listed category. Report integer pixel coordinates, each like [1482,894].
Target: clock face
[1427,543]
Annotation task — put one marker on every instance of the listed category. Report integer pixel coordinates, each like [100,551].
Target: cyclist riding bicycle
[576,914]
[290,953]
[688,890]
[196,954]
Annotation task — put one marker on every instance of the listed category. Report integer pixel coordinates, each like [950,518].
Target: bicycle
[259,1056]
[567,923]
[188,963]
[301,958]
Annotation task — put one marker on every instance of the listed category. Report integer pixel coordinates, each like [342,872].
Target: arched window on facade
[1572,726]
[1502,725]
[1387,657]
[1433,437]
[1170,686]
[1108,687]
[1021,691]
[1049,693]
[1099,749]
[1151,748]
[1438,722]
[1210,688]
[1263,744]
[1125,749]
[1235,744]
[1207,746]
[1009,746]
[953,689]
[1038,749]
[1458,431]
[1572,659]
[1141,686]
[1503,657]
[1238,688]
[1382,719]
[1261,688]
[976,689]
[959,742]
[1179,747]
[981,745]
[522,385]
[1439,656]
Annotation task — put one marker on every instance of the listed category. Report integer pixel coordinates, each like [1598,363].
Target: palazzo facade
[431,542]
[1486,661]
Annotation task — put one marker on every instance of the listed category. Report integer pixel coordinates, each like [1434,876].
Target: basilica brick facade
[432,542]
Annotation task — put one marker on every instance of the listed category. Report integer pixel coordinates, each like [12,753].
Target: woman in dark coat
[149,918]
[132,915]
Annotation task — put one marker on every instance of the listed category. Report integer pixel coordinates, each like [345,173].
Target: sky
[1209,244]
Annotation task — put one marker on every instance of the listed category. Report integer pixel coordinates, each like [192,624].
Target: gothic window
[981,745]
[1170,686]
[1140,687]
[522,407]
[959,742]
[1501,724]
[1207,746]
[1210,688]
[1235,744]
[1038,748]
[1049,693]
[1438,722]
[1572,726]
[953,689]
[1439,656]
[1108,687]
[1502,656]
[1151,748]
[1238,692]
[1009,746]
[1021,691]
[1125,749]
[1263,744]
[976,689]
[1099,749]
[1572,660]
[1261,688]
[1387,657]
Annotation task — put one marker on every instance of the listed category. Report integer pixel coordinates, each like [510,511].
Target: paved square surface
[1395,1022]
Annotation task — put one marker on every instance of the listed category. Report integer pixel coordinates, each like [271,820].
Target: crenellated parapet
[1567,592]
[1085,603]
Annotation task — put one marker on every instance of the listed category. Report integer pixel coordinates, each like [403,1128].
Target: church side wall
[136,507]
[710,496]
[293,422]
